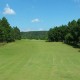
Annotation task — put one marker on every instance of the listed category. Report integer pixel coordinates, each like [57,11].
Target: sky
[39,15]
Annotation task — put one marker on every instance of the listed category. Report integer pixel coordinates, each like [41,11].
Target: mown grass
[39,60]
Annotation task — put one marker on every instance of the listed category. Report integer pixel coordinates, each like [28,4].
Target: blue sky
[31,15]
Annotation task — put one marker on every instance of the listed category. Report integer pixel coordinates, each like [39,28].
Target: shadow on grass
[2,44]
[70,44]
[74,46]
[79,50]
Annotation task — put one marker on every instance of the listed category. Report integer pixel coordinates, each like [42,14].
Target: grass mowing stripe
[39,60]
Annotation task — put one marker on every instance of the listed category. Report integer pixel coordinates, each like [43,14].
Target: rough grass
[39,60]
[2,44]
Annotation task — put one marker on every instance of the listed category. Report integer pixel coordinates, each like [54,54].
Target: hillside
[35,35]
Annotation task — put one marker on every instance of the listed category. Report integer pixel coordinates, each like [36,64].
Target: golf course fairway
[39,60]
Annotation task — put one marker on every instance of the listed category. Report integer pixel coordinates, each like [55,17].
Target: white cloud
[35,20]
[8,10]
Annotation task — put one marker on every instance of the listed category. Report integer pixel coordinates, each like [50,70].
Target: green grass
[39,60]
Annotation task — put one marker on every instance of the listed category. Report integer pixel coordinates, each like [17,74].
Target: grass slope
[39,60]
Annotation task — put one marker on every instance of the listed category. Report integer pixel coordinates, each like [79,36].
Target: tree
[69,38]
[34,35]
[57,33]
[7,32]
[17,34]
[50,35]
[2,35]
[73,23]
[68,33]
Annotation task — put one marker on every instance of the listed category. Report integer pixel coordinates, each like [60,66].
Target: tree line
[34,35]
[69,33]
[8,33]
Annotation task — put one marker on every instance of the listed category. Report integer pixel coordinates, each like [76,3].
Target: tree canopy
[34,35]
[8,33]
[69,33]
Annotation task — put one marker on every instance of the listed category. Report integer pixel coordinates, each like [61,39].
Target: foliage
[34,35]
[7,33]
[68,33]
[17,34]
[69,38]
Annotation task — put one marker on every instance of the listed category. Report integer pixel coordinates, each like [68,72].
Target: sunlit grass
[39,60]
